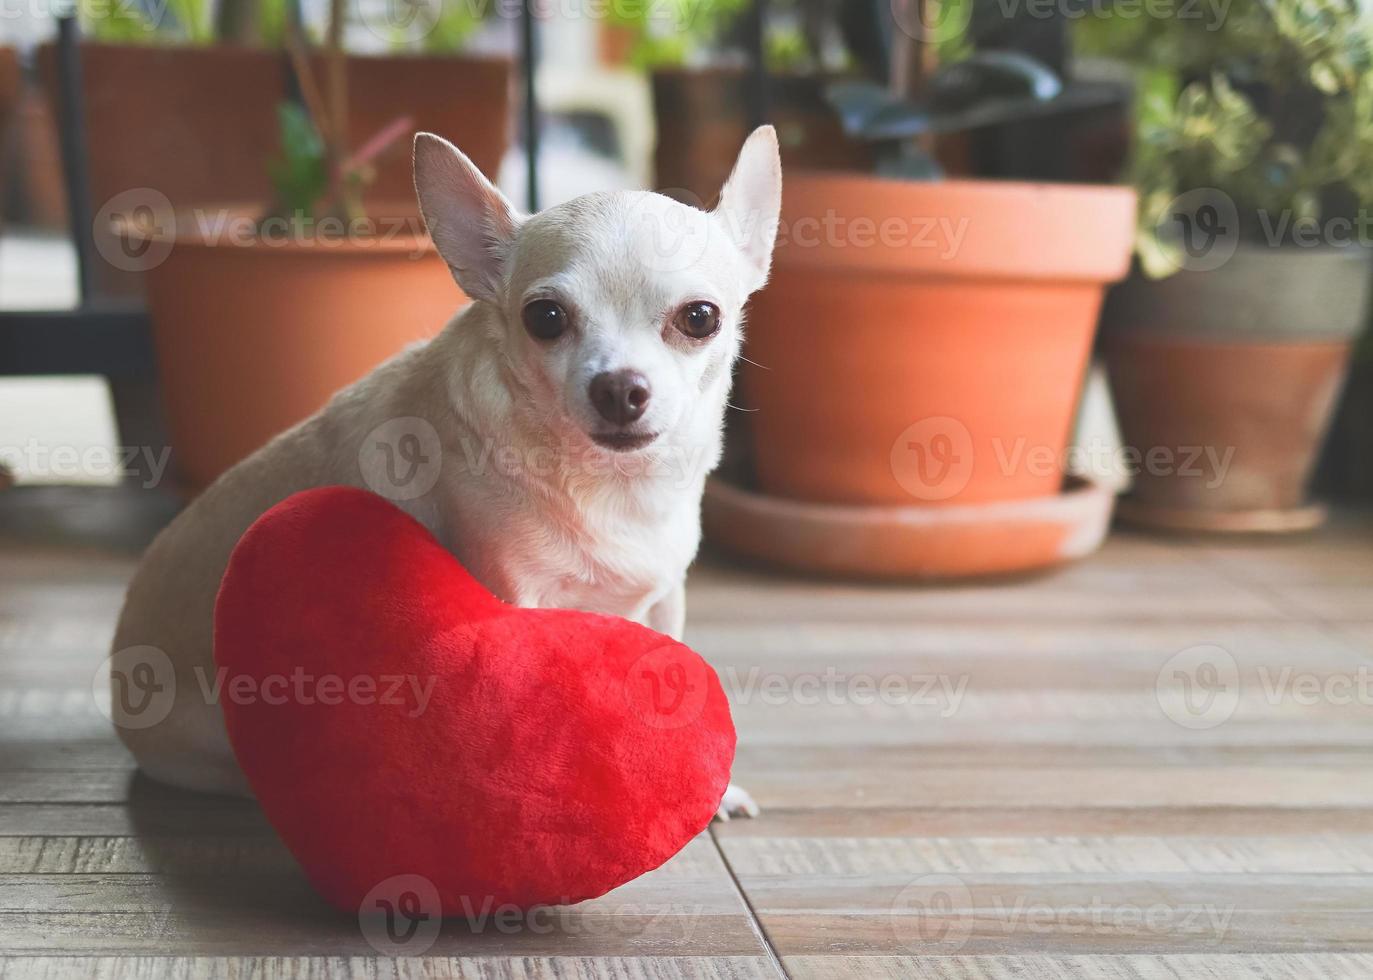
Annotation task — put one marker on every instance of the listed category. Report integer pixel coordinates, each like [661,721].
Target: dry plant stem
[309,91]
[379,143]
[338,78]
[336,67]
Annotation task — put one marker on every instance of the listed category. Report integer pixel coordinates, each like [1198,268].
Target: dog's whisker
[740,408]
[763,367]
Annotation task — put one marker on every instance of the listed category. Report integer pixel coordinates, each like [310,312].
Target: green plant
[435,26]
[122,22]
[1272,107]
[317,176]
[674,32]
[455,24]
[300,176]
[983,69]
[688,32]
[184,21]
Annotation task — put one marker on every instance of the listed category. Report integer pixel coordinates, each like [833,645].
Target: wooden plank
[897,776]
[208,815]
[281,888]
[1333,601]
[1230,822]
[43,639]
[471,967]
[1310,853]
[1112,587]
[1072,913]
[246,897]
[1204,966]
[256,855]
[1089,652]
[291,931]
[1338,555]
[101,752]
[125,855]
[1118,929]
[962,763]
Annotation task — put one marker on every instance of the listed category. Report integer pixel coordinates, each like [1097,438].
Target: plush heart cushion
[394,718]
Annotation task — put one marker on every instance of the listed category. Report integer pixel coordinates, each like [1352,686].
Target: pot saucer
[1139,514]
[917,542]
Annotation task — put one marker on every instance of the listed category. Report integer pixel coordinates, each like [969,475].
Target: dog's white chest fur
[598,569]
[609,546]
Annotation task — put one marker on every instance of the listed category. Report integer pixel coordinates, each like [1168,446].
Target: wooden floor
[1158,763]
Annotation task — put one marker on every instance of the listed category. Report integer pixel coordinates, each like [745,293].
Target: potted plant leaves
[1228,346]
[184,104]
[694,51]
[914,363]
[260,315]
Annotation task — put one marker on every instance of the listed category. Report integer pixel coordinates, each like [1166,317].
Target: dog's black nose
[620,396]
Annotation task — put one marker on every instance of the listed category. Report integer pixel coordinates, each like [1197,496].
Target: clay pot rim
[944,186]
[191,50]
[741,70]
[1074,490]
[190,228]
[916,538]
[1008,231]
[1258,522]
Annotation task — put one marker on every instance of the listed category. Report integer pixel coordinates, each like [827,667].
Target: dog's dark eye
[698,320]
[545,320]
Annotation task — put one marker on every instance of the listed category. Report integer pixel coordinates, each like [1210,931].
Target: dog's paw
[736,803]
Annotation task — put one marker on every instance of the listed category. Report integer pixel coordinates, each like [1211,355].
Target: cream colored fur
[521,494]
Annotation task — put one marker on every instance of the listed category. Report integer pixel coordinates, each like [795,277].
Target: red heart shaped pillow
[395,718]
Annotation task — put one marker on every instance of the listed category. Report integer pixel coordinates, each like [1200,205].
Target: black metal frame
[529,62]
[97,337]
[758,108]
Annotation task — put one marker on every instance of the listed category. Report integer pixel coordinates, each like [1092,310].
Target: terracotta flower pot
[252,337]
[924,343]
[197,124]
[1225,382]
[11,89]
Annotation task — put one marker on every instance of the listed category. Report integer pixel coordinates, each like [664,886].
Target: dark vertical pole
[758,68]
[71,124]
[529,56]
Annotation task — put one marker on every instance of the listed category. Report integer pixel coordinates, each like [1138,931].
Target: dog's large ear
[471,222]
[751,202]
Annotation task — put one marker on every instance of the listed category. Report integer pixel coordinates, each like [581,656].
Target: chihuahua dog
[555,435]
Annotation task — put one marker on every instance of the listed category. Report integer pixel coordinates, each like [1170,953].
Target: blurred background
[1077,248]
